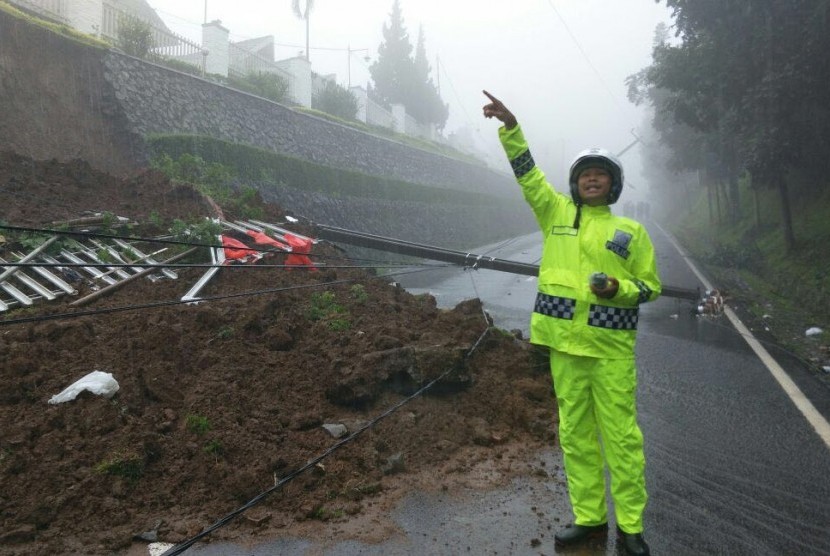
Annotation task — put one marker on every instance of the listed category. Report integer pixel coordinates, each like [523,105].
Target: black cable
[170,303]
[87,234]
[212,265]
[111,236]
[181,547]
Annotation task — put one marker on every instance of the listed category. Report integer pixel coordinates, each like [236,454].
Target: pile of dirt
[221,399]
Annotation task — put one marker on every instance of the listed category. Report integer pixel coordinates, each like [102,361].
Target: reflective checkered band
[645,292]
[522,164]
[613,317]
[553,306]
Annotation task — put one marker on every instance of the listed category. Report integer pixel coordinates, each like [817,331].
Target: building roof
[261,46]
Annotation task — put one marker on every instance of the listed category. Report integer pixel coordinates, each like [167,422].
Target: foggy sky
[520,50]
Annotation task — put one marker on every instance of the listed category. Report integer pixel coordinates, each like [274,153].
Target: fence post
[215,42]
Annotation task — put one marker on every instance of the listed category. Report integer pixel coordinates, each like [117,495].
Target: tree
[304,14]
[748,76]
[400,78]
[336,100]
[393,69]
[425,102]
[134,36]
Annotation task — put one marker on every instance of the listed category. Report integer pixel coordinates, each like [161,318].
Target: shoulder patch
[619,245]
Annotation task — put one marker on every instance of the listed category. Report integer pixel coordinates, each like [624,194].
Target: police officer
[596,270]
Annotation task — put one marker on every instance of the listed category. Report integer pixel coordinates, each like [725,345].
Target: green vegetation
[209,162]
[323,513]
[737,89]
[339,325]
[738,152]
[358,293]
[179,65]
[202,230]
[225,332]
[197,424]
[215,448]
[125,463]
[751,252]
[214,180]
[60,29]
[266,85]
[134,36]
[400,77]
[336,100]
[323,305]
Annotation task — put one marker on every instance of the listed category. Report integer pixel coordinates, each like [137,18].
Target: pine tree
[401,79]
[425,103]
[393,69]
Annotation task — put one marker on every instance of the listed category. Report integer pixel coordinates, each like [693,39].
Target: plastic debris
[159,548]
[97,382]
[337,430]
[711,304]
[813,331]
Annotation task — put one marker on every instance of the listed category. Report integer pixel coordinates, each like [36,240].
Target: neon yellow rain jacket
[567,315]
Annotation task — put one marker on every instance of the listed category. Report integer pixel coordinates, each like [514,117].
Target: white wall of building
[215,42]
[300,85]
[85,15]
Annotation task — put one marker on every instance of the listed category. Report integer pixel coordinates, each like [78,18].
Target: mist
[559,66]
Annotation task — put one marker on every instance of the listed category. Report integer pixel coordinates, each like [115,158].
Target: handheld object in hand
[599,280]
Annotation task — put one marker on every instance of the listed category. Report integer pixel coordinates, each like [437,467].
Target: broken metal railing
[23,281]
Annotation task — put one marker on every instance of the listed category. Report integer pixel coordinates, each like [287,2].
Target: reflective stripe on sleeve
[522,164]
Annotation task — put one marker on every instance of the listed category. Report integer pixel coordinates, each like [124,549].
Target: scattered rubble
[218,400]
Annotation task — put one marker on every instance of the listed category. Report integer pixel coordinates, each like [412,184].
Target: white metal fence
[243,62]
[50,9]
[164,43]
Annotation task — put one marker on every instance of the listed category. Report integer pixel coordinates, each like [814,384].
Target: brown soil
[219,400]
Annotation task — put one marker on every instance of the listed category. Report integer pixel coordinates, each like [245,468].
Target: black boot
[633,543]
[573,534]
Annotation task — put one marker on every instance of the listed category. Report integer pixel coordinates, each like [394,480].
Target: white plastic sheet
[97,382]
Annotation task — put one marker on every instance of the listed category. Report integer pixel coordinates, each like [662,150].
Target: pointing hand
[497,109]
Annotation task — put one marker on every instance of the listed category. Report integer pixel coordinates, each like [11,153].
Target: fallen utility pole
[467,260]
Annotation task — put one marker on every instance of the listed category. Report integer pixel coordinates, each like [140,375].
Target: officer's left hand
[610,289]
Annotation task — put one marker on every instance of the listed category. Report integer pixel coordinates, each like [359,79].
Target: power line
[585,54]
[173,302]
[181,547]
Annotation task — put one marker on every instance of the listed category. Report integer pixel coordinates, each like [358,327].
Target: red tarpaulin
[236,250]
[300,248]
[262,239]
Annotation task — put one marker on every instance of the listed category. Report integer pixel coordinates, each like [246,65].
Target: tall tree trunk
[757,198]
[786,215]
[711,203]
[734,195]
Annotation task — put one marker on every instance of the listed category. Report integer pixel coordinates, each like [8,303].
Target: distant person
[596,270]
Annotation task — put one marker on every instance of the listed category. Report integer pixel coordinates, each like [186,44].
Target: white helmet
[597,158]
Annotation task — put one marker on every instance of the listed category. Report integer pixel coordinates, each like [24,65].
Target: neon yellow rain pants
[597,401]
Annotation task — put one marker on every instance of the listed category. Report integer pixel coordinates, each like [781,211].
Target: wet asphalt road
[732,466]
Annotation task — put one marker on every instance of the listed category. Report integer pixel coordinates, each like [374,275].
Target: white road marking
[819,423]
